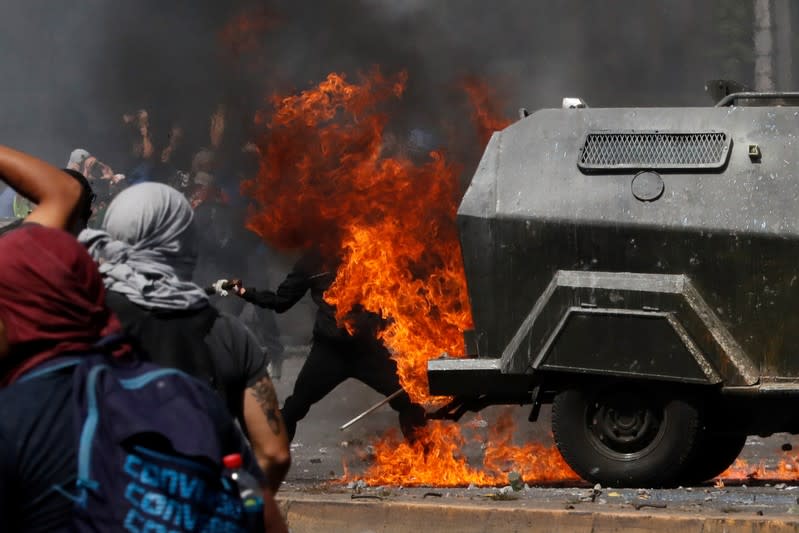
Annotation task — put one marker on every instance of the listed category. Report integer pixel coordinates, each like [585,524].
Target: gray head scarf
[148,251]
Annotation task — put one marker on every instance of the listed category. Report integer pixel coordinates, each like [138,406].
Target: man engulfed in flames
[324,166]
[324,148]
[326,163]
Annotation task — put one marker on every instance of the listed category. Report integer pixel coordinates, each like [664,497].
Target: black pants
[332,362]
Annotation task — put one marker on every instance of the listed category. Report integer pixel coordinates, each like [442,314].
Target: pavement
[316,497]
[331,514]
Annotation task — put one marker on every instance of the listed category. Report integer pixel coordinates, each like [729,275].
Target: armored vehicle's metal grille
[627,150]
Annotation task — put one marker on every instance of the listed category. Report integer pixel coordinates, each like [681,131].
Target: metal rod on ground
[376,406]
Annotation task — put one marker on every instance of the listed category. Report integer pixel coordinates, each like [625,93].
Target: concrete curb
[333,514]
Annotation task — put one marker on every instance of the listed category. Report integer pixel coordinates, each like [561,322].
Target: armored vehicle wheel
[625,435]
[715,452]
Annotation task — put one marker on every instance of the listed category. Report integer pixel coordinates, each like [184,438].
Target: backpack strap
[49,367]
[88,430]
[104,345]
[83,482]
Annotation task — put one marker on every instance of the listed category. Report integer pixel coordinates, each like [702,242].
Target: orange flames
[330,178]
[327,176]
[742,470]
[485,110]
[437,459]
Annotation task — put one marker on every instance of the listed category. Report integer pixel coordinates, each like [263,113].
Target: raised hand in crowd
[175,137]
[141,119]
[217,129]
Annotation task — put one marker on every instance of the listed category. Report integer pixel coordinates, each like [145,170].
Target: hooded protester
[51,303]
[147,252]
[147,249]
[52,309]
[61,311]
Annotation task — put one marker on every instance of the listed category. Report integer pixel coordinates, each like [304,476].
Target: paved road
[319,449]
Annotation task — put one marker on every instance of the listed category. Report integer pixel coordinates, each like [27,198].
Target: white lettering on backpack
[164,500]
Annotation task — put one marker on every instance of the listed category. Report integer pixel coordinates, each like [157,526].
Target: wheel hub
[624,425]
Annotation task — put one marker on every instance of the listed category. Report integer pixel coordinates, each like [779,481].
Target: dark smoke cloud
[72,67]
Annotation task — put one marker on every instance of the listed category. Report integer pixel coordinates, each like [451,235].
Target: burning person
[337,353]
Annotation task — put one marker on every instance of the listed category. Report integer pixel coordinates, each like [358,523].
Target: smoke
[71,68]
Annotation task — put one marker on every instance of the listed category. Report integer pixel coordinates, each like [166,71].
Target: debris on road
[366,497]
[516,481]
[640,505]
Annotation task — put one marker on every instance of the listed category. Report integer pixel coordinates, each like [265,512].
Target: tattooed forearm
[264,392]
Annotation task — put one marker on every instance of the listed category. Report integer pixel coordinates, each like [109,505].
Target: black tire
[625,436]
[714,453]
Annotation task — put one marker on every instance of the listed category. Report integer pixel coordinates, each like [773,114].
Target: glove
[219,287]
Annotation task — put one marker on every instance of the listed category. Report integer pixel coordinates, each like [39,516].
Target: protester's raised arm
[56,194]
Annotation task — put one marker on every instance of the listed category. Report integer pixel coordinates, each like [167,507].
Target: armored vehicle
[639,269]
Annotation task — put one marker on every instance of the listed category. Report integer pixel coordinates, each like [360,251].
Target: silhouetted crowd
[119,381]
[133,394]
[210,180]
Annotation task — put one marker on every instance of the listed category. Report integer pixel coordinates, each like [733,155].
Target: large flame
[318,153]
[437,459]
[421,290]
[327,176]
[330,178]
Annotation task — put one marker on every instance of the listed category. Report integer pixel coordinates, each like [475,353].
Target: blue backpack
[150,448]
